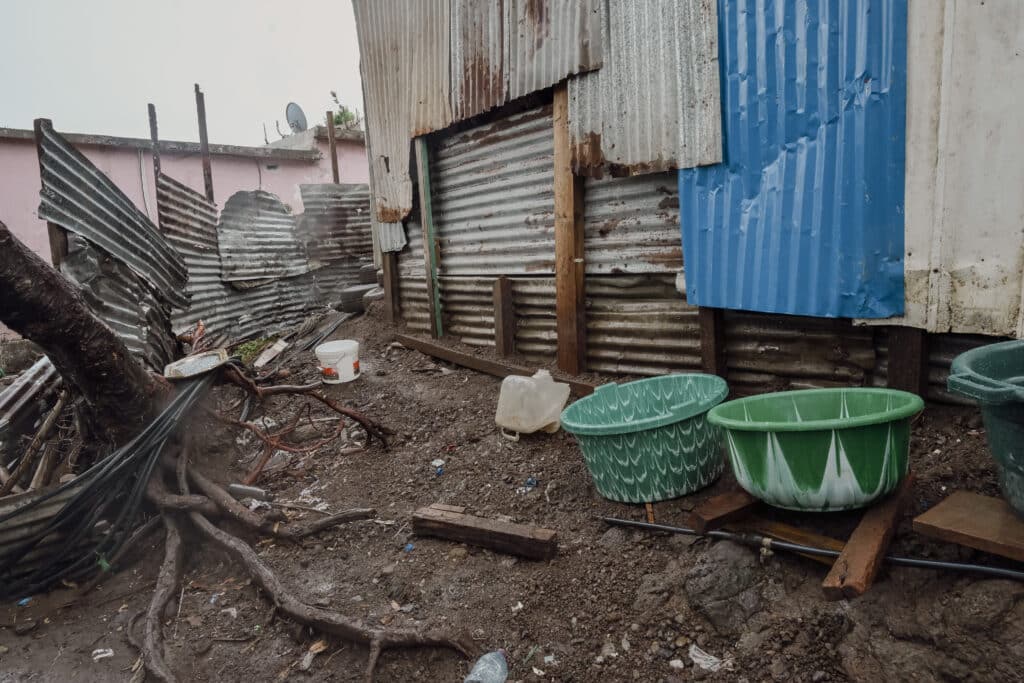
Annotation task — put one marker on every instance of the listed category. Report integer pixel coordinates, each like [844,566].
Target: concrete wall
[131,170]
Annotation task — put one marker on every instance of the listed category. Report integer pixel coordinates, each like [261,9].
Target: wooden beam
[712,341]
[856,567]
[791,534]
[431,252]
[570,297]
[484,365]
[204,143]
[908,359]
[154,136]
[719,510]
[516,539]
[332,144]
[392,296]
[976,521]
[504,317]
[57,235]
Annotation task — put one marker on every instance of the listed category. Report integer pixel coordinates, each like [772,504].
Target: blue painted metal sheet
[805,214]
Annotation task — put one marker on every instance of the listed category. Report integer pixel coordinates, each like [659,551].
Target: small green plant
[253,348]
[349,119]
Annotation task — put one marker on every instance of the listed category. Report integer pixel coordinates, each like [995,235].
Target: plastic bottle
[529,404]
[491,668]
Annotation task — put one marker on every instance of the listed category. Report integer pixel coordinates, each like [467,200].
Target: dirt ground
[614,605]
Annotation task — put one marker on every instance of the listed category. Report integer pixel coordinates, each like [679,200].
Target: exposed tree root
[152,643]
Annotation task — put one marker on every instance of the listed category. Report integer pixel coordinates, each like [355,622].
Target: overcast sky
[92,65]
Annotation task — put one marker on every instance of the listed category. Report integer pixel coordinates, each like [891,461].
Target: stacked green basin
[649,440]
[819,449]
[993,375]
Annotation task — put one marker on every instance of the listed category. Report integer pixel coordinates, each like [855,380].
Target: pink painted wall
[132,171]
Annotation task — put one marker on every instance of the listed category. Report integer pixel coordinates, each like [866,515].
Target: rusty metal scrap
[257,240]
[335,223]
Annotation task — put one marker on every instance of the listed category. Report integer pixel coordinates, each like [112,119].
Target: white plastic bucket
[339,361]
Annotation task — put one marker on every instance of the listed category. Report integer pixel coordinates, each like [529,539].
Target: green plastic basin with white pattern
[819,449]
[650,440]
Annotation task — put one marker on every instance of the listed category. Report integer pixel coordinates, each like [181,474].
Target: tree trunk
[40,305]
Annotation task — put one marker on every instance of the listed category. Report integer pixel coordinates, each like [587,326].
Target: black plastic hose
[772,544]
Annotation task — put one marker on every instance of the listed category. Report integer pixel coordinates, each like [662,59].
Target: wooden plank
[570,299]
[447,508]
[976,521]
[908,359]
[430,247]
[332,146]
[712,341]
[856,567]
[719,510]
[649,507]
[392,295]
[516,539]
[786,532]
[504,317]
[204,143]
[485,365]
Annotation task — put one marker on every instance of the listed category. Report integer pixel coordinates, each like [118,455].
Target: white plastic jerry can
[530,404]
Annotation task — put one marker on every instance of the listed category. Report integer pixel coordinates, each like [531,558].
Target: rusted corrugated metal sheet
[121,299]
[412,281]
[335,223]
[654,105]
[404,50]
[549,40]
[78,197]
[479,41]
[772,352]
[15,531]
[632,225]
[23,401]
[468,305]
[640,325]
[257,239]
[942,349]
[494,199]
[533,300]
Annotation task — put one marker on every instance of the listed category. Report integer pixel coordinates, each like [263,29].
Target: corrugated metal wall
[632,224]
[479,42]
[654,104]
[257,240]
[493,197]
[335,223]
[412,281]
[806,215]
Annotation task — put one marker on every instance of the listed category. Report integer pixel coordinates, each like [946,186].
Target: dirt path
[613,606]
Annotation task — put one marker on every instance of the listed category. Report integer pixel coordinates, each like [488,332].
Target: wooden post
[430,247]
[392,298]
[332,143]
[58,236]
[908,359]
[204,143]
[504,317]
[155,138]
[712,341]
[570,294]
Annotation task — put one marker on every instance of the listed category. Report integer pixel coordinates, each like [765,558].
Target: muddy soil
[614,605]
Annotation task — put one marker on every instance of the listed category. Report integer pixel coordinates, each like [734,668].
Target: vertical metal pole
[204,143]
[155,138]
[58,236]
[333,143]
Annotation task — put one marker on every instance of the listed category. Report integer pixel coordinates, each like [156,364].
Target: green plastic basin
[819,449]
[649,440]
[993,375]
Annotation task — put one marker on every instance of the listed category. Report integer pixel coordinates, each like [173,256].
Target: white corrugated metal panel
[493,197]
[335,223]
[640,325]
[404,50]
[632,224]
[479,80]
[964,254]
[390,236]
[412,281]
[655,103]
[549,40]
[257,240]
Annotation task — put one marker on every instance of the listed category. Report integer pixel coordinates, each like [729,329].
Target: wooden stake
[908,359]
[712,341]
[570,297]
[430,247]
[856,567]
[504,317]
[517,539]
[204,143]
[719,510]
[332,143]
[392,296]
[649,507]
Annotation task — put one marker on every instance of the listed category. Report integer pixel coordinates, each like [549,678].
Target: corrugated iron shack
[762,190]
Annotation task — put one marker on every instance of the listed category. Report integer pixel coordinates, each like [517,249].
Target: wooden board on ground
[856,567]
[791,534]
[451,522]
[719,510]
[976,521]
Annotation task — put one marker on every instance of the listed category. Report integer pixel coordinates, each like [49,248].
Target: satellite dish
[296,118]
